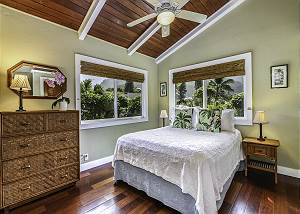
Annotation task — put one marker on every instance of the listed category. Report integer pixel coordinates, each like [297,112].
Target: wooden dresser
[39,154]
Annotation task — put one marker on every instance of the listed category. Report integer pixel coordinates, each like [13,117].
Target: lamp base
[261,139]
[20,110]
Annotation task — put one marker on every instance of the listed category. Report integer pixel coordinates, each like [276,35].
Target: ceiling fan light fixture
[166,17]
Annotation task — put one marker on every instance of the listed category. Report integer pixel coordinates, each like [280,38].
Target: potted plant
[59,80]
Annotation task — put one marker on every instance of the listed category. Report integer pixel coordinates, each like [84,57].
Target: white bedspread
[199,163]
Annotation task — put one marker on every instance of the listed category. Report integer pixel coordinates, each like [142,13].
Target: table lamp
[163,115]
[20,83]
[259,118]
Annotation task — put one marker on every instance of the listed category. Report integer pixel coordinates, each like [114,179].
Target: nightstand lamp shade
[20,83]
[260,118]
[163,115]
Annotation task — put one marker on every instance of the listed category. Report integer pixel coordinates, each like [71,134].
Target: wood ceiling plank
[42,12]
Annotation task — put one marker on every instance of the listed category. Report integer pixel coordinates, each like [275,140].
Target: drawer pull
[25,188]
[26,145]
[26,167]
[63,140]
[25,123]
[64,176]
[63,158]
[62,121]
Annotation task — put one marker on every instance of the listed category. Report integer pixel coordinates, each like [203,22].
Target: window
[221,93]
[105,101]
[234,92]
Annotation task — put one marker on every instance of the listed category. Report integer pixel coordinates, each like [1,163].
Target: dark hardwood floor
[96,194]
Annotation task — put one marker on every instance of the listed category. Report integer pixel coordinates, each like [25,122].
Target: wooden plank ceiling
[110,25]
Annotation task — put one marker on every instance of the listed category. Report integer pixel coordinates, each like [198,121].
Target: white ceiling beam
[90,18]
[143,38]
[227,8]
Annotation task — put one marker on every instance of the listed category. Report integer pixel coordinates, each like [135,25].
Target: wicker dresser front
[39,154]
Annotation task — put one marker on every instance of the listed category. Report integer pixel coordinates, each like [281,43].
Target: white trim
[95,163]
[247,120]
[90,18]
[227,8]
[110,122]
[143,38]
[289,171]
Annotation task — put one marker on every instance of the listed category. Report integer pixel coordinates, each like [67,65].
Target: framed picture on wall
[279,76]
[163,89]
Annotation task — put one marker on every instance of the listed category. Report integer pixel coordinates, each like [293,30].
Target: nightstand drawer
[263,151]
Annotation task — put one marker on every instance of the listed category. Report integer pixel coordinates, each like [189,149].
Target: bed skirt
[162,190]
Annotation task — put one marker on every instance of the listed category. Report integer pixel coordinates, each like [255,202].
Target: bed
[187,170]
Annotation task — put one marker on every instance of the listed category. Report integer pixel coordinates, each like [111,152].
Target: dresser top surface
[39,111]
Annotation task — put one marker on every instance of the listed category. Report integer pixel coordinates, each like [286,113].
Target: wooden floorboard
[97,194]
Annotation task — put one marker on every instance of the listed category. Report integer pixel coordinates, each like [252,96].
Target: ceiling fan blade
[181,3]
[165,30]
[192,16]
[153,2]
[138,21]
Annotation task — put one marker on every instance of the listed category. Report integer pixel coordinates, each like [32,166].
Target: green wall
[23,37]
[270,29]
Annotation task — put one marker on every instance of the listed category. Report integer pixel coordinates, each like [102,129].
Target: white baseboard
[289,171]
[89,165]
[95,163]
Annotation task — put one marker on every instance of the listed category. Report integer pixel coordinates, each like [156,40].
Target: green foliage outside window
[98,103]
[220,95]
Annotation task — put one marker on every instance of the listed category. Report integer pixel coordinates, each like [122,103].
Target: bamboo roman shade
[234,68]
[110,72]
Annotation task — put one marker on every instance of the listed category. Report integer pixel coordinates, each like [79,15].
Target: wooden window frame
[91,124]
[248,113]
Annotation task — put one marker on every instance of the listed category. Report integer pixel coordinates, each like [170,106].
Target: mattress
[199,163]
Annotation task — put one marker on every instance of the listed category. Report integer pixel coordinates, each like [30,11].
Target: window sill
[240,121]
[93,124]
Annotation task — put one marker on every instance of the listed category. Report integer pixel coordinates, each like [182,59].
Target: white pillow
[227,120]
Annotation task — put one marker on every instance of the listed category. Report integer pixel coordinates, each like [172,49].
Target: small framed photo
[279,76]
[163,89]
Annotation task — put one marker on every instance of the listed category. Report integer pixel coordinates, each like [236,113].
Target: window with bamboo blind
[110,93]
[219,84]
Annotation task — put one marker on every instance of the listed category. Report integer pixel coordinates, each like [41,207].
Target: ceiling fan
[166,11]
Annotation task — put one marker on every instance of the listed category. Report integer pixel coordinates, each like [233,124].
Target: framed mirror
[39,77]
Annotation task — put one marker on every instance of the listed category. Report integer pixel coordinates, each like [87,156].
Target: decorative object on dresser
[163,89]
[261,155]
[59,80]
[40,154]
[20,83]
[279,76]
[259,118]
[38,75]
[163,116]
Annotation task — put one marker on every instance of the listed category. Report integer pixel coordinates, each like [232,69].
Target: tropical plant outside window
[105,98]
[222,93]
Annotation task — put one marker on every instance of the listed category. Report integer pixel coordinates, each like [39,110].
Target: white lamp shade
[163,114]
[166,18]
[20,82]
[260,117]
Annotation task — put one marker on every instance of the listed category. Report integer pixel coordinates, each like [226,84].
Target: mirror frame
[11,70]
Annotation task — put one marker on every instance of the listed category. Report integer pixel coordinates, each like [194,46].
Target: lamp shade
[166,18]
[20,82]
[260,117]
[163,114]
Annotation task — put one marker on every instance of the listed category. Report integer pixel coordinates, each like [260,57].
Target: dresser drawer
[16,147]
[30,187]
[22,124]
[63,121]
[62,140]
[262,151]
[24,167]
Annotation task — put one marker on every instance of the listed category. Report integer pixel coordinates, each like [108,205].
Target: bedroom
[46,33]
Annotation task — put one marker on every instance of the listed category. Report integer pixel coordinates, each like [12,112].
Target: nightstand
[261,155]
